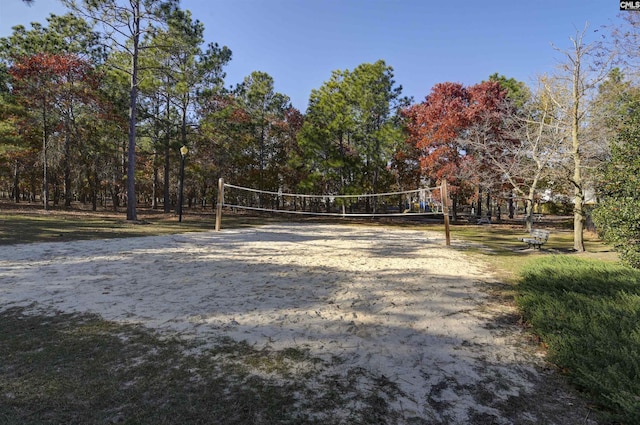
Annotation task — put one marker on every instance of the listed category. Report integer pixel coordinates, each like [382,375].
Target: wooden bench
[537,238]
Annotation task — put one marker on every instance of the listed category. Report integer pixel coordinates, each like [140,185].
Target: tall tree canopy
[51,69]
[249,134]
[517,92]
[443,126]
[352,130]
[54,87]
[177,74]
[265,109]
[358,134]
[63,34]
[124,23]
[618,214]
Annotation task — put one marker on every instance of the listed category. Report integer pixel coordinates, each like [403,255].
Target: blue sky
[300,42]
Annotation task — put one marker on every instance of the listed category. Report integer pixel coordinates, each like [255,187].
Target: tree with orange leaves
[439,125]
[50,86]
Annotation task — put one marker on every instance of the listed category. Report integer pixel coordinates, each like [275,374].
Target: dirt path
[395,304]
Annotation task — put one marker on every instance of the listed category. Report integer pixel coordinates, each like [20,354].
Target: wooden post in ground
[445,211]
[219,203]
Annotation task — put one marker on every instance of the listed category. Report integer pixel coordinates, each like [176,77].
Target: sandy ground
[396,303]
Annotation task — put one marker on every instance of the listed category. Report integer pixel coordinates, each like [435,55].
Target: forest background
[96,104]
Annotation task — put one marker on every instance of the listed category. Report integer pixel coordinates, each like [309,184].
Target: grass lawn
[584,308]
[29,223]
[587,313]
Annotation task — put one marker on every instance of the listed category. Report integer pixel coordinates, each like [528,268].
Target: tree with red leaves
[440,126]
[487,140]
[434,126]
[50,86]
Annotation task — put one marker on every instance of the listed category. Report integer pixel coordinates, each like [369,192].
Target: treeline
[96,104]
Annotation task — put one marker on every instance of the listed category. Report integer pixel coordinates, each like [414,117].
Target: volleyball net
[418,202]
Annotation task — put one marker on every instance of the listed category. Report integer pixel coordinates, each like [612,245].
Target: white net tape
[425,201]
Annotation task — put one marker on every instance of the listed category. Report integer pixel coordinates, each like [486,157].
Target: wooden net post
[445,211]
[220,203]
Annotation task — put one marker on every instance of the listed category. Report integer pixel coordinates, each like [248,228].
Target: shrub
[618,216]
[618,223]
[589,315]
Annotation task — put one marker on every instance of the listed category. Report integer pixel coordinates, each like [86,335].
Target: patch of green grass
[500,247]
[77,368]
[31,226]
[588,313]
[80,369]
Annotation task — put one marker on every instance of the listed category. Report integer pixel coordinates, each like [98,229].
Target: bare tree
[625,39]
[581,69]
[530,138]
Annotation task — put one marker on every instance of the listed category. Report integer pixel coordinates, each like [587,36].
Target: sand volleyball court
[394,303]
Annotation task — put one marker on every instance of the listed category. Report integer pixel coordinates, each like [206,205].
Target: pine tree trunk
[67,170]
[45,170]
[167,160]
[133,101]
[16,181]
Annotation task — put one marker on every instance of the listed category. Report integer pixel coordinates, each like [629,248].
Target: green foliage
[517,91]
[9,112]
[64,34]
[618,222]
[564,207]
[177,72]
[257,114]
[588,313]
[352,129]
[618,215]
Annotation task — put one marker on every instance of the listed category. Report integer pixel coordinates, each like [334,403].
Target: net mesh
[424,201]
